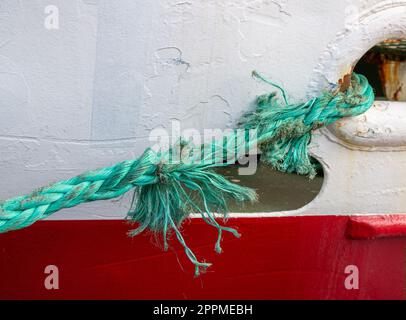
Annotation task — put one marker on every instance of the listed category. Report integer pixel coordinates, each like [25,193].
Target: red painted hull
[276,258]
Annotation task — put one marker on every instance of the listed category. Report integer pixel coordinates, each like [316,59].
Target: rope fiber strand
[166,192]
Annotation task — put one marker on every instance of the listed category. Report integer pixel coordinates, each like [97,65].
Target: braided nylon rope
[166,192]
[105,183]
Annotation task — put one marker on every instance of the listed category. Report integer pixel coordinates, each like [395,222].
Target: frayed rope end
[182,189]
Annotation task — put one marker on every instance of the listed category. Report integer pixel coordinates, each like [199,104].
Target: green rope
[166,191]
[284,131]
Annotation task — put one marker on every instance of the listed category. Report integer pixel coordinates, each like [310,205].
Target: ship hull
[276,258]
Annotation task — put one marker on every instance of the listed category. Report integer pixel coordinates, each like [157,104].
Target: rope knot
[284,130]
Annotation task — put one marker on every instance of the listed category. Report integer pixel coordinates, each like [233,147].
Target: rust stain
[345,82]
[392,41]
[389,73]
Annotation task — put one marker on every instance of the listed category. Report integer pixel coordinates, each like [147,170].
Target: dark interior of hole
[277,191]
[382,65]
[370,68]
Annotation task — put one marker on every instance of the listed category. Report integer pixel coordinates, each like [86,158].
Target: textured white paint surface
[382,128]
[88,94]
